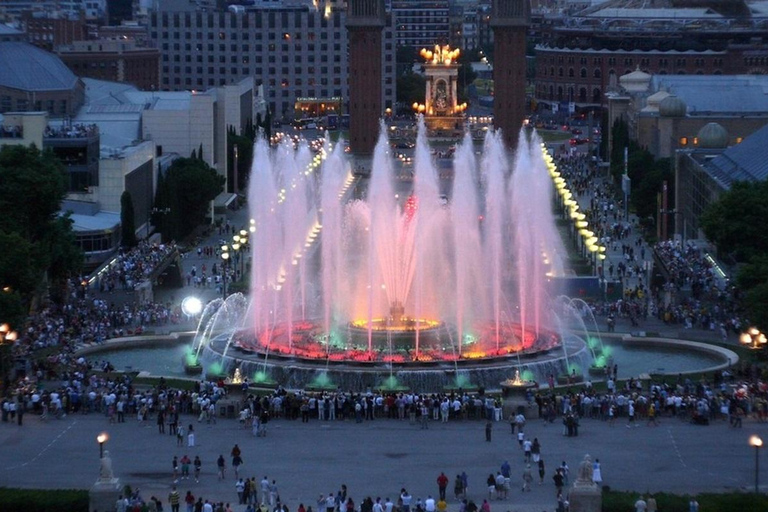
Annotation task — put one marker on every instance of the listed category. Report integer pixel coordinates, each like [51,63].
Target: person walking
[198,465]
[222,465]
[541,471]
[527,478]
[488,429]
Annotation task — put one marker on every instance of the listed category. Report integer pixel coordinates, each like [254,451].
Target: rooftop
[705,94]
[28,68]
[747,161]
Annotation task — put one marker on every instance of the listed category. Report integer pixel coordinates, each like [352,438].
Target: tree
[34,236]
[734,223]
[244,157]
[411,88]
[127,220]
[188,188]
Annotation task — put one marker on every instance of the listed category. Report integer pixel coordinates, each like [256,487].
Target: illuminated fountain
[401,288]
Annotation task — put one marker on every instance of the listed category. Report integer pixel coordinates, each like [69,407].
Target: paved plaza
[378,458]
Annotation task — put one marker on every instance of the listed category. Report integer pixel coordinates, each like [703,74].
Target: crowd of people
[133,266]
[71,131]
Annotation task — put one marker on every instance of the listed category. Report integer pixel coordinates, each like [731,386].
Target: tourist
[190,436]
[640,505]
[442,485]
[189,500]
[488,429]
[174,499]
[491,483]
[198,465]
[458,488]
[240,489]
[527,478]
[541,471]
[597,474]
[222,466]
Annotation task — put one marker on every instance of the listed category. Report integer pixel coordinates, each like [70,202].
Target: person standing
[458,488]
[442,484]
[264,490]
[240,489]
[641,505]
[189,500]
[191,436]
[488,429]
[222,465]
[651,501]
[429,504]
[198,465]
[174,499]
[597,475]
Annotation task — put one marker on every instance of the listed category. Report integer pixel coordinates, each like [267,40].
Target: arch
[571,73]
[583,73]
[560,93]
[560,71]
[597,95]
[583,95]
[597,73]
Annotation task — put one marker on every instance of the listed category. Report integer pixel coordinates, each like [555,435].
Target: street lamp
[752,338]
[225,258]
[755,441]
[101,439]
[7,337]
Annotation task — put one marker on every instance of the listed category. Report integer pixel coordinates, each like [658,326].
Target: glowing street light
[101,439]
[757,442]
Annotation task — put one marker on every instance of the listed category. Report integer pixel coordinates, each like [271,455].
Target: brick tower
[509,21]
[365,22]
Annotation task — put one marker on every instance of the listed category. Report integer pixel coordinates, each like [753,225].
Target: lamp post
[752,338]
[757,442]
[101,439]
[7,338]
[225,263]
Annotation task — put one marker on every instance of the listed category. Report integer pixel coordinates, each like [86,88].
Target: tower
[509,21]
[365,22]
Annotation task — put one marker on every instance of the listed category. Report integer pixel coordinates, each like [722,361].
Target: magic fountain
[425,282]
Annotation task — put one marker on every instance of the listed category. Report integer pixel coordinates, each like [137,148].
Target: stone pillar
[104,493]
[585,495]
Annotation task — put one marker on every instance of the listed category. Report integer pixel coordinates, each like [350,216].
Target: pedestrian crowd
[133,266]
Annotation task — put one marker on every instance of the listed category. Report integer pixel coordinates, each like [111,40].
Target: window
[683,141]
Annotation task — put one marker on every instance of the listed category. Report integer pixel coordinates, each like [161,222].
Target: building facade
[580,55]
[421,23]
[114,60]
[293,50]
[49,29]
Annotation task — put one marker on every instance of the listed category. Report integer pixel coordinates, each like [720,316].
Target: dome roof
[672,106]
[28,68]
[713,136]
[636,81]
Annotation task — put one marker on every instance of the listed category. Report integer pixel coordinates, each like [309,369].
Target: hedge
[43,500]
[614,501]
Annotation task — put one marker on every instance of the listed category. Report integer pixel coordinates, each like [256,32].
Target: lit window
[683,141]
[695,141]
[738,140]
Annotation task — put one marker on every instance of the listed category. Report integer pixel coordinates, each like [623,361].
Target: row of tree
[37,243]
[646,172]
[734,223]
[183,197]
